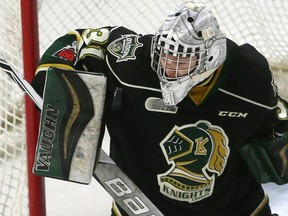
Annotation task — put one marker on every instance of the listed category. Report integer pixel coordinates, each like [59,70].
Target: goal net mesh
[13,167]
[262,23]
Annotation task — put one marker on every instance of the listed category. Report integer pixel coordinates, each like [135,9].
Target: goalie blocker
[71,121]
[106,172]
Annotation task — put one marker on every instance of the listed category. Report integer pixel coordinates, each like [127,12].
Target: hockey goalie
[195,120]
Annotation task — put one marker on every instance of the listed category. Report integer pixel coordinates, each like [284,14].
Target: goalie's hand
[268,160]
[277,149]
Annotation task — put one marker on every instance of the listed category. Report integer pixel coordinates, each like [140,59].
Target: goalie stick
[120,187]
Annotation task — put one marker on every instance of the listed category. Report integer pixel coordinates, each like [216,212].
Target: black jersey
[186,160]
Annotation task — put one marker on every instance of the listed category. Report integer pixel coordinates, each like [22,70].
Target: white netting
[259,22]
[13,170]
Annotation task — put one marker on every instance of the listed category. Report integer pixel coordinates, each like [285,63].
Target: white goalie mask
[186,50]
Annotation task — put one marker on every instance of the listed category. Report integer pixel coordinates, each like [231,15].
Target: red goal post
[263,23]
[21,192]
[30,47]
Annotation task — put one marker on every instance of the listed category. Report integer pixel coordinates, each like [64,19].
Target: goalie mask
[186,50]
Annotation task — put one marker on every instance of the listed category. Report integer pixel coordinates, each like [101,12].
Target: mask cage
[174,57]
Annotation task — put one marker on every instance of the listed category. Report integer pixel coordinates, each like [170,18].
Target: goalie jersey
[186,158]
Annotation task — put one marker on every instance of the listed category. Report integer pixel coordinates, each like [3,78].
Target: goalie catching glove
[268,160]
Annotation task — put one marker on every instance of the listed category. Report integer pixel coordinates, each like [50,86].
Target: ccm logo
[233,114]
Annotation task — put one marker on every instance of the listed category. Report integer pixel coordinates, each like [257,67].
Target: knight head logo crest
[198,154]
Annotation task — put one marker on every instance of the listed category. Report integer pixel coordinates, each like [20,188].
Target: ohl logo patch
[198,154]
[125,47]
[67,53]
